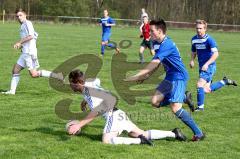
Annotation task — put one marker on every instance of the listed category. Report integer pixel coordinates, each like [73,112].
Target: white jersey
[116,121]
[27,29]
[92,101]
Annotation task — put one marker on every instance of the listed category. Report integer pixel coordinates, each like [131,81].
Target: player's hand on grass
[17,45]
[191,64]
[205,67]
[73,129]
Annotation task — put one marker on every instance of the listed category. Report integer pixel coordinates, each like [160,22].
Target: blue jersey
[168,54]
[205,47]
[104,21]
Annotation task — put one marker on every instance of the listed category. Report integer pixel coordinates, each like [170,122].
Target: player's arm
[18,44]
[111,22]
[90,117]
[211,60]
[83,105]
[73,129]
[214,56]
[146,72]
[193,56]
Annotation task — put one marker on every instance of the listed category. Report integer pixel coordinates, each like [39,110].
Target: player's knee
[106,141]
[155,103]
[207,89]
[200,84]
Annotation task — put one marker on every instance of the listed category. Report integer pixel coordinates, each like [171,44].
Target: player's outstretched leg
[225,81]
[113,46]
[49,74]
[111,138]
[186,118]
[161,134]
[228,81]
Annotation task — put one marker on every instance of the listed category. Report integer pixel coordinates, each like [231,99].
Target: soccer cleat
[198,109]
[117,50]
[144,140]
[197,138]
[229,81]
[189,100]
[9,92]
[179,135]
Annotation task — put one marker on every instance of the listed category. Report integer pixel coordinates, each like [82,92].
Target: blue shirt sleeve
[164,51]
[212,43]
[111,21]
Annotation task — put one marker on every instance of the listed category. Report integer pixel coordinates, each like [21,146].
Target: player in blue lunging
[171,91]
[205,47]
[107,23]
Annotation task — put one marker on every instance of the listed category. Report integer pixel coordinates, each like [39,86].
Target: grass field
[29,127]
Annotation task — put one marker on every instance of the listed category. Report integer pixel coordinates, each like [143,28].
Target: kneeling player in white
[28,58]
[103,102]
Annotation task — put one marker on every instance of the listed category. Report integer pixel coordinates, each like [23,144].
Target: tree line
[213,11]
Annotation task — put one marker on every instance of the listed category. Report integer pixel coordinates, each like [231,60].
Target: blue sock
[102,49]
[217,85]
[200,96]
[188,120]
[111,45]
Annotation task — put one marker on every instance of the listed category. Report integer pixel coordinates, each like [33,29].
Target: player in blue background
[107,23]
[172,89]
[205,47]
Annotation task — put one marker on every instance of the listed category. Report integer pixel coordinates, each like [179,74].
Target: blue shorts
[208,75]
[106,36]
[173,91]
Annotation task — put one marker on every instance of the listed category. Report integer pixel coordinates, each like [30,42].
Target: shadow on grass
[63,136]
[46,130]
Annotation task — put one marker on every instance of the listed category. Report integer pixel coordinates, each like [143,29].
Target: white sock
[125,140]
[14,82]
[45,73]
[48,74]
[159,134]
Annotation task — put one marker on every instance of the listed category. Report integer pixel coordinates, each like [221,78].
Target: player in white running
[103,102]
[28,58]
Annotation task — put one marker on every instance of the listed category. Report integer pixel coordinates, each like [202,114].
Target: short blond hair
[200,21]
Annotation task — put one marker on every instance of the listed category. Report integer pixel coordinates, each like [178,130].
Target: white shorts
[118,121]
[28,61]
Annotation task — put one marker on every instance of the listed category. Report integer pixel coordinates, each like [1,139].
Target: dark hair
[75,75]
[20,10]
[159,24]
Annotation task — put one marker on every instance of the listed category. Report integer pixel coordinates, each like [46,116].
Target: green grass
[29,127]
